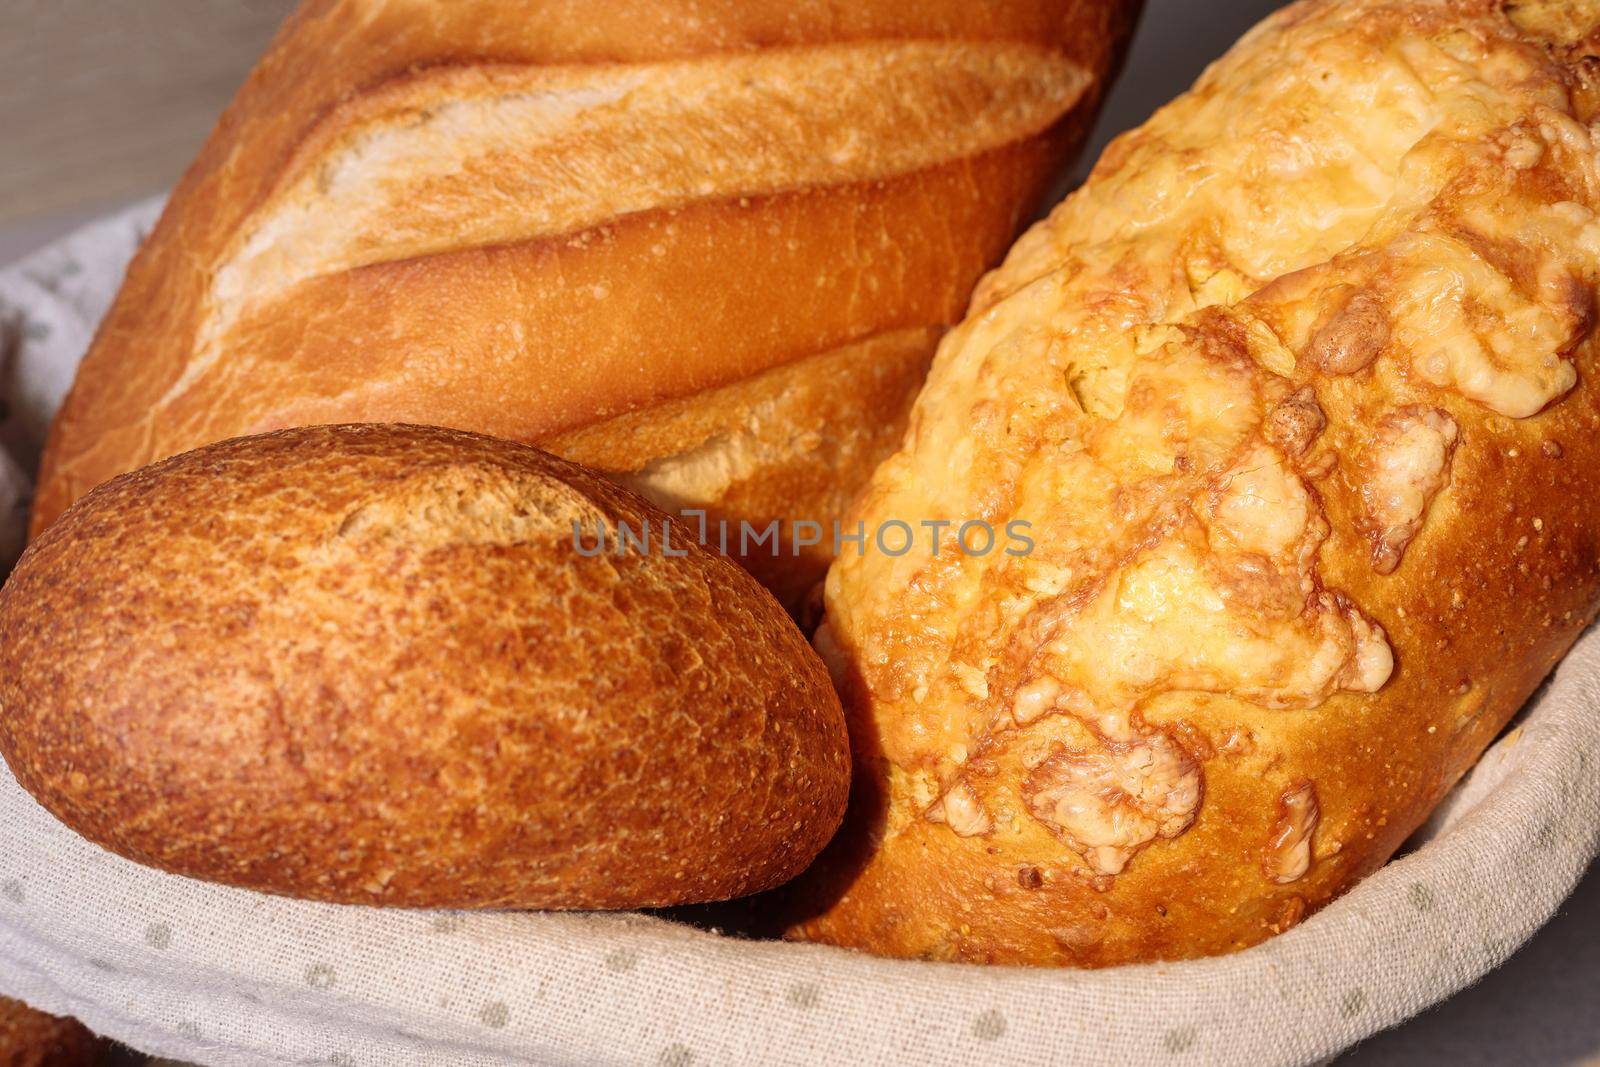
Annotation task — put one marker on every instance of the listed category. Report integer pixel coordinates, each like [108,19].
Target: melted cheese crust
[1370,215]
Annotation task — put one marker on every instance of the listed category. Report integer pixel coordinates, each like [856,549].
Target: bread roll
[1299,396]
[531,217]
[31,1038]
[375,664]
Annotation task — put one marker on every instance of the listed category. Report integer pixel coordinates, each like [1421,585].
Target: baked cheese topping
[1369,225]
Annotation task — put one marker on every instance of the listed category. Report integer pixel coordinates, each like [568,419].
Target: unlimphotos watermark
[895,537]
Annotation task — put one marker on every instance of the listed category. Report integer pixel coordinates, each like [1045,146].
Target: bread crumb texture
[1293,395]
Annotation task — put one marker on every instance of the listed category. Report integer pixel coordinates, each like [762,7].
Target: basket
[224,976]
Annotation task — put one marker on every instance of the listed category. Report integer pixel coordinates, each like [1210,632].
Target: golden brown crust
[369,664]
[766,448]
[713,189]
[1299,394]
[30,1038]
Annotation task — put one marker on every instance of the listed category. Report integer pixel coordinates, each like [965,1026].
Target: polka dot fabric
[221,976]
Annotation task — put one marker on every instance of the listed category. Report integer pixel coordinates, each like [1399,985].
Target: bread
[376,664]
[533,217]
[31,1038]
[1299,396]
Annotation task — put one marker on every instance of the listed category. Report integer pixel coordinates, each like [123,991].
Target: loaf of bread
[1299,398]
[31,1038]
[379,664]
[705,245]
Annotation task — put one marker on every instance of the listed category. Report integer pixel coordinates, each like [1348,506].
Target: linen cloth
[229,977]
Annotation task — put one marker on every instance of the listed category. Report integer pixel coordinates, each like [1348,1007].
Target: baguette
[531,218]
[372,664]
[1299,395]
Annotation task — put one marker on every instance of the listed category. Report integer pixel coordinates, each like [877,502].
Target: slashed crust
[525,218]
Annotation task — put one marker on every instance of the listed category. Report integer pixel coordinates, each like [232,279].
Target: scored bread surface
[1298,396]
[482,215]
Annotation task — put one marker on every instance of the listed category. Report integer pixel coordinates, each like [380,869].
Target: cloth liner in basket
[229,977]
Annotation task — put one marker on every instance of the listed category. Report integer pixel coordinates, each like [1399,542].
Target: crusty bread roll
[31,1038]
[533,217]
[376,664]
[1299,397]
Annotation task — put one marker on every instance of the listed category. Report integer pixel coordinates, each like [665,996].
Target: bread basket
[222,976]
